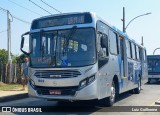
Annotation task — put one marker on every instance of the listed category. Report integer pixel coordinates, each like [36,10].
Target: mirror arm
[22,38]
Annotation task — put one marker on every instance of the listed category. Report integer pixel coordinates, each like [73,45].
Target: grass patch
[10,87]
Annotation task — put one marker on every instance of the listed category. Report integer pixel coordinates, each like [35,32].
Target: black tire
[149,81]
[138,89]
[109,101]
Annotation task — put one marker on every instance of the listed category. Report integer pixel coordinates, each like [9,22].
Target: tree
[15,58]
[3,56]
[20,59]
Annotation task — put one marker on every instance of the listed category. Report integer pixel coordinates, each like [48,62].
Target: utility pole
[9,46]
[123,19]
[125,27]
[9,37]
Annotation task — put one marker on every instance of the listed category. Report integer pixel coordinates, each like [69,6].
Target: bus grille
[65,91]
[57,74]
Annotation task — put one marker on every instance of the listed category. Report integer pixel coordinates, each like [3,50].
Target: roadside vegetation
[10,87]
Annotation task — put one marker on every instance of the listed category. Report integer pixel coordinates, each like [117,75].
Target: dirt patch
[2,84]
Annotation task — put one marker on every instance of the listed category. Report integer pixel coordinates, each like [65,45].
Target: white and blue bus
[153,67]
[79,56]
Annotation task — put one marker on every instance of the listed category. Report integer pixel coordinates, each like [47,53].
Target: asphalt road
[149,95]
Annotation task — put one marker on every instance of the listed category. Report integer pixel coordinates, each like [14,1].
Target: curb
[157,102]
[13,97]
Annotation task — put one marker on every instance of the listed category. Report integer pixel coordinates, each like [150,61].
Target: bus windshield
[153,66]
[63,48]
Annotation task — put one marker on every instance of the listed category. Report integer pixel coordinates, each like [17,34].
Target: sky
[110,10]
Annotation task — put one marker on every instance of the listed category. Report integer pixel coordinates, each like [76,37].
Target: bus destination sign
[62,20]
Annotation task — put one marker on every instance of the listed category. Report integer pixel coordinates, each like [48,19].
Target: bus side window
[140,53]
[102,32]
[113,42]
[102,43]
[144,54]
[137,52]
[128,49]
[133,51]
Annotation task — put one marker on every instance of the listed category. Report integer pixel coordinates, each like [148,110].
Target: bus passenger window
[144,54]
[113,42]
[104,44]
[102,32]
[128,49]
[137,49]
[140,54]
[133,51]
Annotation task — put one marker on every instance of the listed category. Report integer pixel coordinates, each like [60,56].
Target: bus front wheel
[109,101]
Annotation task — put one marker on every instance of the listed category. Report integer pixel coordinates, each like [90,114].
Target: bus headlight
[91,79]
[32,83]
[86,81]
[83,83]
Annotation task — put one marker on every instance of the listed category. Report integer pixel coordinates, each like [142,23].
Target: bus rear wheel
[149,81]
[138,89]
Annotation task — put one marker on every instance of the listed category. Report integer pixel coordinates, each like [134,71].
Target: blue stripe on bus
[137,73]
[120,69]
[119,31]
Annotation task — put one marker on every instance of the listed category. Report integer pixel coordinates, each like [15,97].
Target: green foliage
[20,59]
[10,87]
[15,58]
[3,56]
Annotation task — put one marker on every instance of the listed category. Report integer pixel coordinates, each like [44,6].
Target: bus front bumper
[87,93]
[154,76]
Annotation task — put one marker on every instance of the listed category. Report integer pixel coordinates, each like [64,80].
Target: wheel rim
[113,93]
[139,86]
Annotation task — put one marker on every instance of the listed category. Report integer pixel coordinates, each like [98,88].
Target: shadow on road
[85,106]
[153,82]
[78,106]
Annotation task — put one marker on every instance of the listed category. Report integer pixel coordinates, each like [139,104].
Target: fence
[12,75]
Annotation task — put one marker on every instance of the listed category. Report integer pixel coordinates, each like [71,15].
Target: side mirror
[104,41]
[22,43]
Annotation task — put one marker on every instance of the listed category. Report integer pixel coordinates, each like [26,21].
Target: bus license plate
[55,92]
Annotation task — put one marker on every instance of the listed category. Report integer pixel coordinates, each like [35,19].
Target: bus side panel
[106,74]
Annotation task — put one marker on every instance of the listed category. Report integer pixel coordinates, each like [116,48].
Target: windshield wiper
[72,32]
[70,35]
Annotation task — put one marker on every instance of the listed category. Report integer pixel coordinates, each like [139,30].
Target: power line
[4,10]
[25,8]
[51,6]
[21,20]
[39,6]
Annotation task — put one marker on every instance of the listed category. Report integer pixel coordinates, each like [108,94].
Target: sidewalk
[12,95]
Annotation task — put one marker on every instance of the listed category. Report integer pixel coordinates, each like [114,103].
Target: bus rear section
[153,67]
